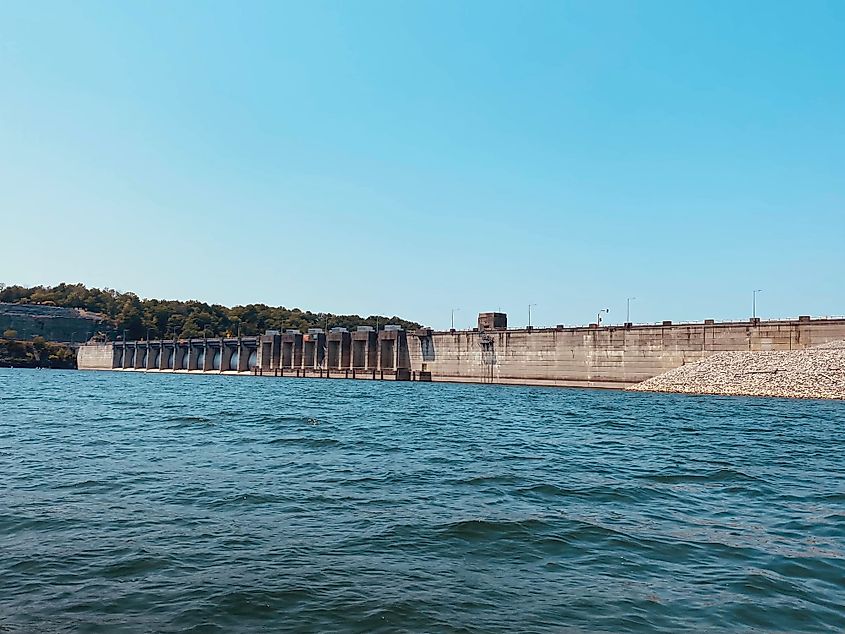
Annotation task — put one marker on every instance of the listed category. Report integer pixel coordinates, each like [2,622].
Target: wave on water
[134,566]
[717,476]
[500,479]
[600,493]
[264,505]
[189,420]
[247,499]
[305,441]
[89,486]
[486,529]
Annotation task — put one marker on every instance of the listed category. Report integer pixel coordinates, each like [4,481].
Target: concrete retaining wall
[600,357]
[95,356]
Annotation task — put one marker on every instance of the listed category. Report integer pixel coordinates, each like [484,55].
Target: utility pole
[628,312]
[754,302]
[454,310]
[529,314]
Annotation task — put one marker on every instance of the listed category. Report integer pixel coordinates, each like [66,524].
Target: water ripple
[180,503]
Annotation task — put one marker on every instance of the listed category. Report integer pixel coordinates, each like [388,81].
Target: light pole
[754,302]
[124,334]
[598,317]
[628,310]
[529,314]
[454,310]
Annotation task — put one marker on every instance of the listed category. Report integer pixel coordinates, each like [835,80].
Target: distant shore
[36,353]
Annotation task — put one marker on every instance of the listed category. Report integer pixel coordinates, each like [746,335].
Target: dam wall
[94,356]
[612,356]
[590,356]
[337,353]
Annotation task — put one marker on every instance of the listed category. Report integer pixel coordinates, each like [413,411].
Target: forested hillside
[36,353]
[169,318]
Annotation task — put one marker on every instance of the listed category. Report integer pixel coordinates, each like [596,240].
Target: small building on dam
[583,356]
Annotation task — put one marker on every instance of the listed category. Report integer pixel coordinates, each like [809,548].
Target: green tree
[164,318]
[130,318]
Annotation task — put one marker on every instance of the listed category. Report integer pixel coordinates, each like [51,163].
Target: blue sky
[408,158]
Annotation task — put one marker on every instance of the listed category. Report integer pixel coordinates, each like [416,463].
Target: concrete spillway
[591,356]
[317,353]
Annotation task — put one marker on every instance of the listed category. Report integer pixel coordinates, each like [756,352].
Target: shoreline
[811,373]
[642,387]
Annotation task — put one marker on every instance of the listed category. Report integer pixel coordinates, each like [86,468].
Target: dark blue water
[138,503]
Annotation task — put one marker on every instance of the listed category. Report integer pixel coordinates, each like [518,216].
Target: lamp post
[598,317]
[529,314]
[454,310]
[628,310]
[754,302]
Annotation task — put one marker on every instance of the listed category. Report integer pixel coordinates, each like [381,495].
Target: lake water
[141,502]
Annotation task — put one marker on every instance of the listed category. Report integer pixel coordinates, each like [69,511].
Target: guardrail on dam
[586,356]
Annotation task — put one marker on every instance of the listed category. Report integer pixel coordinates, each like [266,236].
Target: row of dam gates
[381,354]
[583,356]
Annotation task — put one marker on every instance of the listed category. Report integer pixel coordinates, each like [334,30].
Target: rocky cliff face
[50,322]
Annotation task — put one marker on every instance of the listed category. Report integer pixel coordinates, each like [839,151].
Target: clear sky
[411,157]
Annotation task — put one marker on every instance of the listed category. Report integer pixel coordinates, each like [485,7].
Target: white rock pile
[817,372]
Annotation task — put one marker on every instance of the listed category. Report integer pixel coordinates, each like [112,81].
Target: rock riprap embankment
[817,372]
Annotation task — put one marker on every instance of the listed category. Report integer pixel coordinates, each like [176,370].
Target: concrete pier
[339,345]
[314,349]
[364,348]
[196,355]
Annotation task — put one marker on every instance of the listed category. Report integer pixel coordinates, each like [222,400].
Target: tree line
[156,318]
[37,353]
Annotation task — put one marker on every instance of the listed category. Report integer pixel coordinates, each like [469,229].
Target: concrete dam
[585,356]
